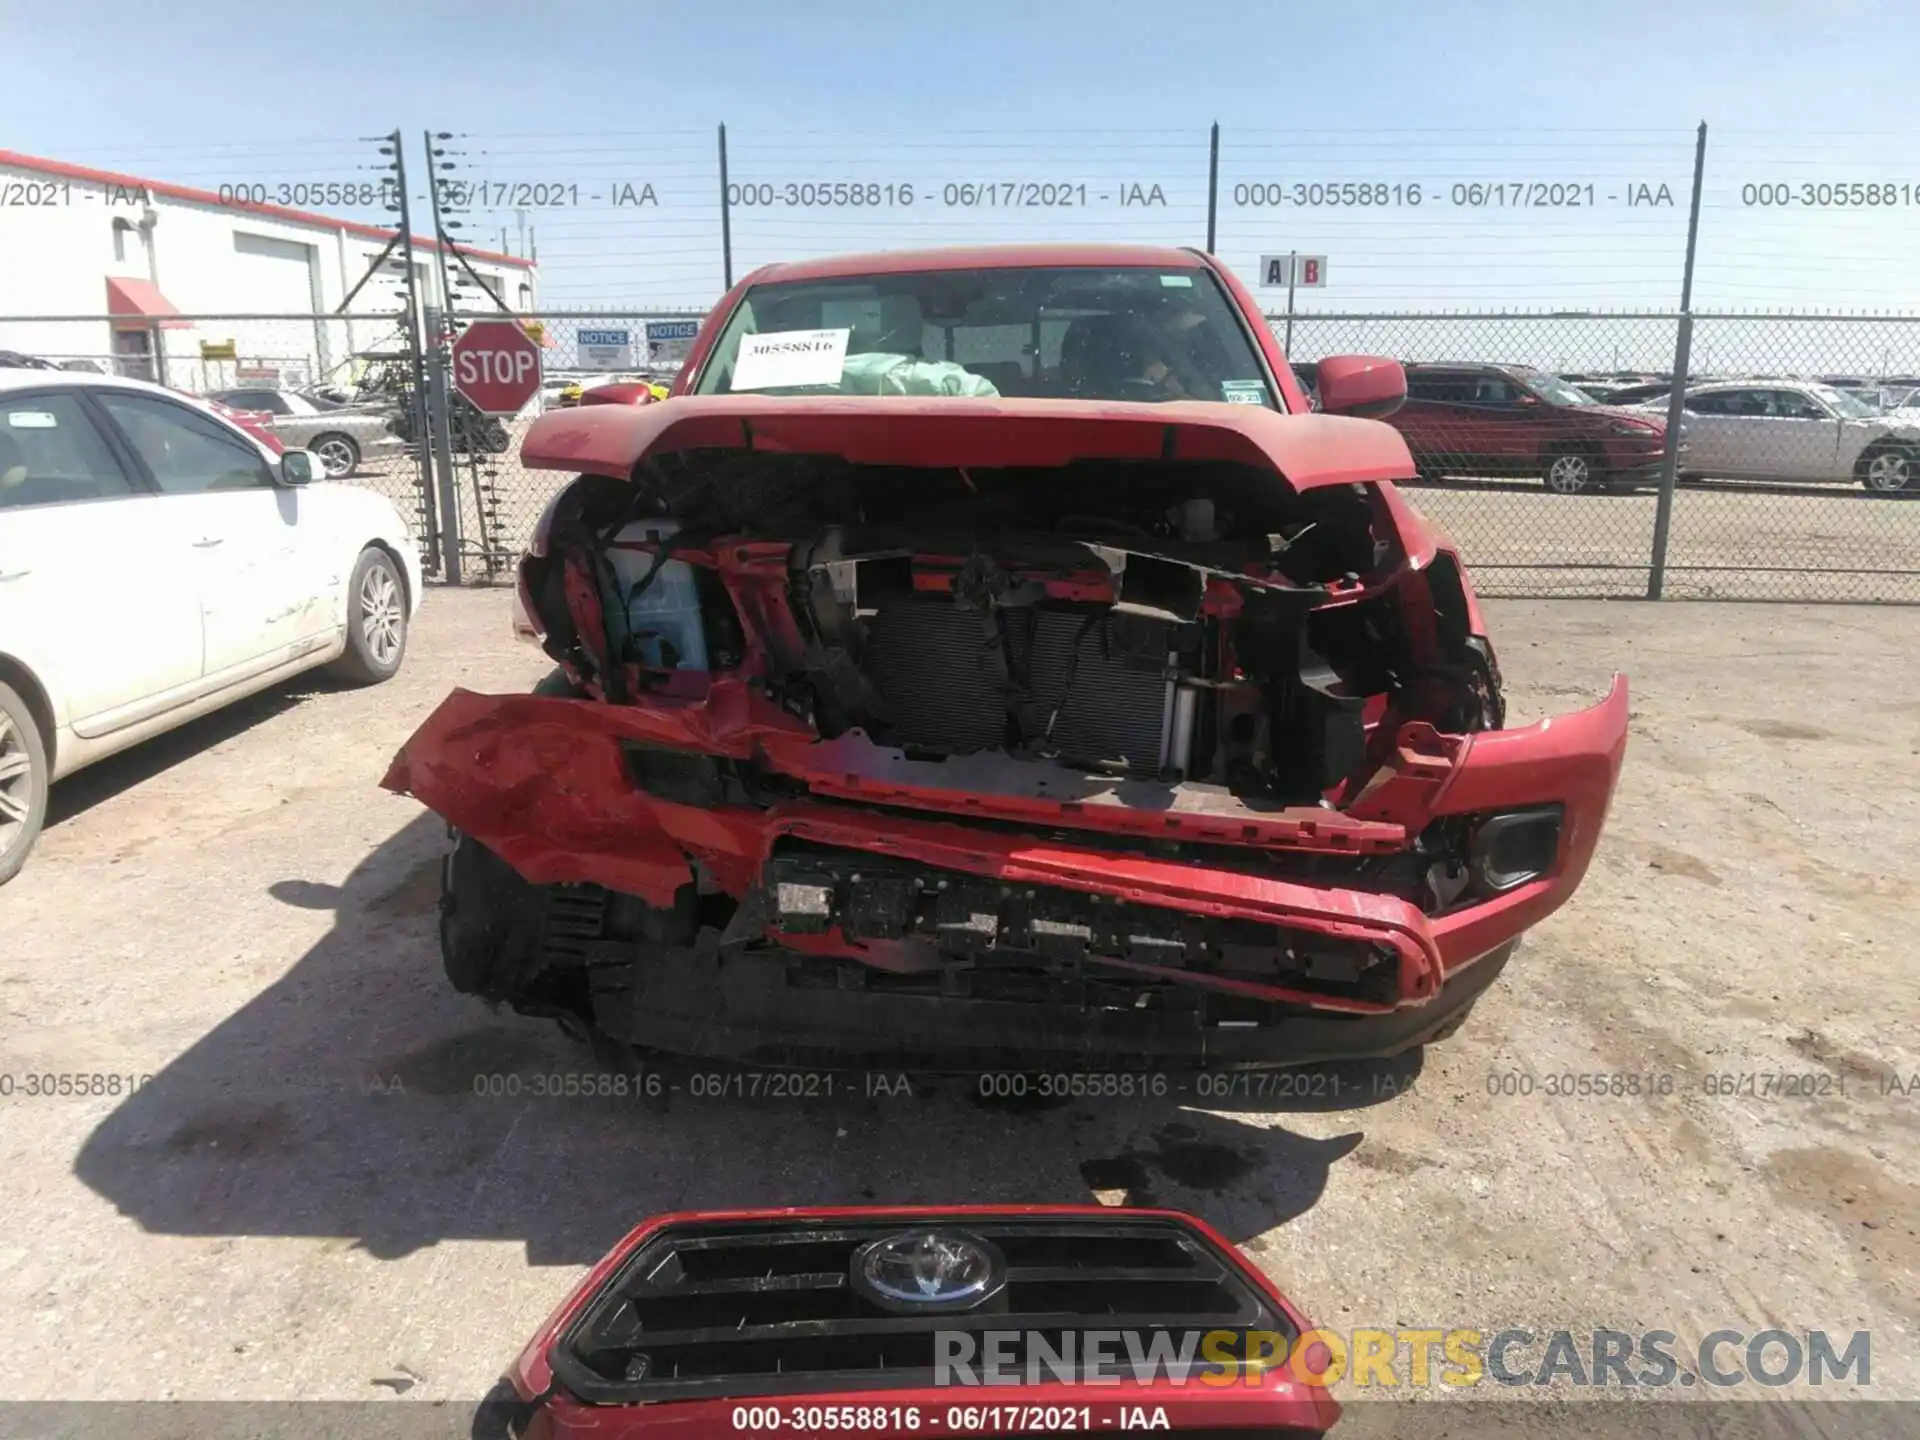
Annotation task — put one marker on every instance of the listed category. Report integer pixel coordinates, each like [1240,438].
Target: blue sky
[1590,101]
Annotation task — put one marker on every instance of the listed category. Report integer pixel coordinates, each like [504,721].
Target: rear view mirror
[1368,386]
[296,467]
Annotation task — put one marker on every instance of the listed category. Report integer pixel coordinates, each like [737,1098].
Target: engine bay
[1190,623]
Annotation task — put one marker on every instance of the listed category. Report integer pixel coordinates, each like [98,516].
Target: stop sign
[496,365]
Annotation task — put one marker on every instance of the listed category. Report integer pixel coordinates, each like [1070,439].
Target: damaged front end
[999,734]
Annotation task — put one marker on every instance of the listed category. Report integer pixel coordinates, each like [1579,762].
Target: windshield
[1552,387]
[1128,333]
[1843,403]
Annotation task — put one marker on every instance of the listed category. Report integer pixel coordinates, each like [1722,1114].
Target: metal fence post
[1676,402]
[1293,270]
[1213,184]
[726,215]
[440,435]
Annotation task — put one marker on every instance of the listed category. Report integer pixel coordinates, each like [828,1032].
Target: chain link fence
[499,500]
[1798,432]
[335,384]
[1803,458]
[1539,437]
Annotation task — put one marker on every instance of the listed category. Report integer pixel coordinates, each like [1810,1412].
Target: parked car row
[340,435]
[1513,420]
[563,390]
[1797,431]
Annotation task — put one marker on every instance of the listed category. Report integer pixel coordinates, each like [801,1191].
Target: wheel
[339,456]
[376,620]
[23,782]
[1889,469]
[1571,472]
[495,438]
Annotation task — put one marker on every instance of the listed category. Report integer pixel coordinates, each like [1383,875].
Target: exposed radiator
[935,664]
[928,658]
[1109,709]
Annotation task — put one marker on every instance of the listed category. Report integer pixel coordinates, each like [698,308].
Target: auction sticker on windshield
[1243,392]
[790,357]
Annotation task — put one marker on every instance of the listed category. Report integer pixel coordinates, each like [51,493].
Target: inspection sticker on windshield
[1177,282]
[33,420]
[790,357]
[1243,392]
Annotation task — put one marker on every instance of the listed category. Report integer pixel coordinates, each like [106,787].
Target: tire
[376,620]
[1572,471]
[1889,470]
[557,686]
[495,438]
[1452,1027]
[24,776]
[339,455]
[489,923]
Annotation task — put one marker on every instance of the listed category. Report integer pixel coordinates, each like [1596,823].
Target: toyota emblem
[929,1270]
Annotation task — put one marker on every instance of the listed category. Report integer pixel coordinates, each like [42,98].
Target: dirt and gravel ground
[308,1198]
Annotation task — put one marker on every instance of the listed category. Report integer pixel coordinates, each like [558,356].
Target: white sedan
[158,562]
[1796,430]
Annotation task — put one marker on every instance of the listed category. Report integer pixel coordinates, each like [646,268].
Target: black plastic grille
[770,1307]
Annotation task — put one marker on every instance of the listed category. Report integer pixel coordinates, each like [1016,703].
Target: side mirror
[297,467]
[620,392]
[1371,387]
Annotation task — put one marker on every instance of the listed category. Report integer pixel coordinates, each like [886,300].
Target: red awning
[142,300]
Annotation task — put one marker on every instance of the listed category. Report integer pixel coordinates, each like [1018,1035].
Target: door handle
[207,542]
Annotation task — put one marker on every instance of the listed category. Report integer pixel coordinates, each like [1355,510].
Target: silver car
[341,437]
[1797,430]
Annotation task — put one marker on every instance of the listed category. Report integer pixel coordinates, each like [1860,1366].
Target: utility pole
[1213,184]
[726,217]
[1293,271]
[420,426]
[448,485]
[1676,402]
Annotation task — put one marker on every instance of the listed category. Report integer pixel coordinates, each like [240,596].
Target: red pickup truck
[985,660]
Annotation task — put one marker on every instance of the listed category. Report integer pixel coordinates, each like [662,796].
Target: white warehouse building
[144,266]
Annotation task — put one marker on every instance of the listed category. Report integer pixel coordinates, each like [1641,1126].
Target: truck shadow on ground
[360,1097]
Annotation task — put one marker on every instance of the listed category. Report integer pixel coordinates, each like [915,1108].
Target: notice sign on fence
[670,340]
[606,349]
[1279,271]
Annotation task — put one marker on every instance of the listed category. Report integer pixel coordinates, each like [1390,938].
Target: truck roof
[980,257]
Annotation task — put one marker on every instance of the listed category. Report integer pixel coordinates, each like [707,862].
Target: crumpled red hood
[1304,451]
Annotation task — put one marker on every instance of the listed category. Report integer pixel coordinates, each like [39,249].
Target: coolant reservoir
[665,616]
